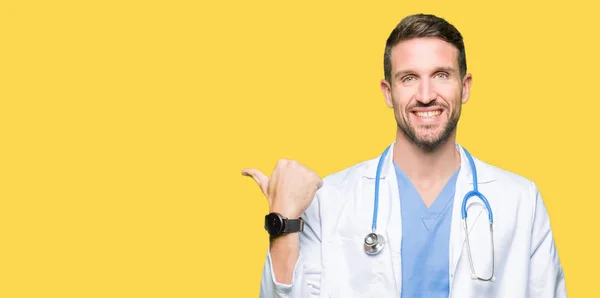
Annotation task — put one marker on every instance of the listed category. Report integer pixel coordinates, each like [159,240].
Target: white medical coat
[333,263]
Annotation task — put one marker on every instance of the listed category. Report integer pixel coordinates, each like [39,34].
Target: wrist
[286,212]
[277,224]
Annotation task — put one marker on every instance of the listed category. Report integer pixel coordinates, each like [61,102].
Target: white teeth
[429,114]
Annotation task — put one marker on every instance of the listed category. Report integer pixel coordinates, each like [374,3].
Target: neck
[426,168]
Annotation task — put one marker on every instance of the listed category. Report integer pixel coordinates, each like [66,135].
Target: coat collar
[465,171]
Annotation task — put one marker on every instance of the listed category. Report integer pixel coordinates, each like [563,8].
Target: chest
[347,218]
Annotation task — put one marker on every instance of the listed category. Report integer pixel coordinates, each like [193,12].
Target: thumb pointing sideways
[261,179]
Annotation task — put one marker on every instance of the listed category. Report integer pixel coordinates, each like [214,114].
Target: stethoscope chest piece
[373,243]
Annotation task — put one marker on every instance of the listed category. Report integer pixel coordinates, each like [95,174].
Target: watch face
[274,224]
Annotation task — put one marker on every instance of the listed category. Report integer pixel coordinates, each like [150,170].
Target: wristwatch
[277,225]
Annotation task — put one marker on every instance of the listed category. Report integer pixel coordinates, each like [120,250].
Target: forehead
[423,54]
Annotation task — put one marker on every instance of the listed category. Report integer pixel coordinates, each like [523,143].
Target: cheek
[401,100]
[447,90]
[450,93]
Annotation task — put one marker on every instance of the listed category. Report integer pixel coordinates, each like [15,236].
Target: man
[318,246]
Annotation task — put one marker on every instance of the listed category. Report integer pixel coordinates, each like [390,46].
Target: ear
[386,89]
[466,87]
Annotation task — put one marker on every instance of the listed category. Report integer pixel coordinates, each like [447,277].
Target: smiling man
[424,219]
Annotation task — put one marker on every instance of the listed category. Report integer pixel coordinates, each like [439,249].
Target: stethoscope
[375,242]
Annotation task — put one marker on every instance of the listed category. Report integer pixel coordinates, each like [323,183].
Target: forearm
[285,251]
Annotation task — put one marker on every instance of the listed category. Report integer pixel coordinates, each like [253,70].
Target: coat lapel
[395,223]
[389,221]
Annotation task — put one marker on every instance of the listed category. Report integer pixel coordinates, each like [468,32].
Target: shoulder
[508,181]
[348,175]
[344,184]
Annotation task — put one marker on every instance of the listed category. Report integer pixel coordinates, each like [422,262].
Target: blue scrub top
[425,239]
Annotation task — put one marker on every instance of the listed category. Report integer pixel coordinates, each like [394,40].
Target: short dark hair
[424,25]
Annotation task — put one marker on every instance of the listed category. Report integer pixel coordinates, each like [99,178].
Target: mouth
[428,117]
[428,114]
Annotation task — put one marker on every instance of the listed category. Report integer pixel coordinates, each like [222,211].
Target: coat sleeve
[306,279]
[546,277]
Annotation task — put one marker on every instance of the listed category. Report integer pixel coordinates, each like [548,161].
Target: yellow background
[124,126]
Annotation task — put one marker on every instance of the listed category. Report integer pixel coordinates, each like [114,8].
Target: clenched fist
[291,188]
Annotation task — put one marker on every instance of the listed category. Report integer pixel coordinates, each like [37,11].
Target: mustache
[428,105]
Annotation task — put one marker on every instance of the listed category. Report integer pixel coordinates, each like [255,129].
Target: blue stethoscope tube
[374,242]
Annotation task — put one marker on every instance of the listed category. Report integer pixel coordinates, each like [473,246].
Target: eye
[408,79]
[441,75]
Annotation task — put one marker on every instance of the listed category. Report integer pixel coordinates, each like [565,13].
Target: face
[426,90]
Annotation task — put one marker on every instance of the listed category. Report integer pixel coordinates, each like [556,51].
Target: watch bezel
[282,222]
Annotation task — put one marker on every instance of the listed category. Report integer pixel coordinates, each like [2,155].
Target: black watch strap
[294,225]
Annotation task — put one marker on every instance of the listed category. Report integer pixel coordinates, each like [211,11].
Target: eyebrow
[402,73]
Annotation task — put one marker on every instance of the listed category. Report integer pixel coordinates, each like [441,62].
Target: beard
[430,137]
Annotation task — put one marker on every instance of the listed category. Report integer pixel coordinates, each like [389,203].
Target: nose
[426,92]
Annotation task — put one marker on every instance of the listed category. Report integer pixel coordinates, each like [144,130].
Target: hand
[291,188]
